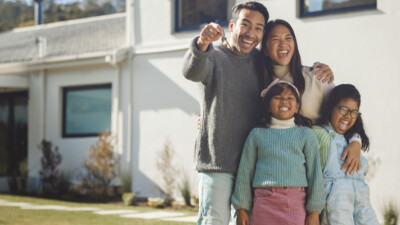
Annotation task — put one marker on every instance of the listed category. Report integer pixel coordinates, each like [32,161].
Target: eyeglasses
[353,113]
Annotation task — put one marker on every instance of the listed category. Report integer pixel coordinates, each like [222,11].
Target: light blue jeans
[347,200]
[215,190]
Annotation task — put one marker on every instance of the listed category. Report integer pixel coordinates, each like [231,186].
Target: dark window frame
[64,104]
[334,11]
[177,28]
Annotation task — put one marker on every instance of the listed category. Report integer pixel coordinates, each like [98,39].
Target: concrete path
[161,215]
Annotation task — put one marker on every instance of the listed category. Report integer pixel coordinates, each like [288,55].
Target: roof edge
[68,22]
[58,62]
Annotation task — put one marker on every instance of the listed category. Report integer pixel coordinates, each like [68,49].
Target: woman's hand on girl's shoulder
[324,72]
[242,217]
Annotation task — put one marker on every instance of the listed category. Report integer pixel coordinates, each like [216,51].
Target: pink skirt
[279,206]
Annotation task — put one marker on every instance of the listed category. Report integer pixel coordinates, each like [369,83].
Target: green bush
[158,202]
[195,199]
[390,214]
[51,158]
[62,183]
[126,182]
[128,198]
[185,191]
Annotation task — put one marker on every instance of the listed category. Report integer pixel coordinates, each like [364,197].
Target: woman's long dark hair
[295,63]
[337,94]
[277,90]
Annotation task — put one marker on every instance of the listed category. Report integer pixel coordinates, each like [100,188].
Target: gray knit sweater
[230,104]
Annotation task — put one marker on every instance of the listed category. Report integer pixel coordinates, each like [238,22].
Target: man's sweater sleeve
[242,196]
[315,190]
[197,65]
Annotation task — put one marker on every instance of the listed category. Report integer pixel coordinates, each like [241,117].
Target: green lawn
[11,215]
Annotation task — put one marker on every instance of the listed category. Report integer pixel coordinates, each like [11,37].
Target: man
[230,90]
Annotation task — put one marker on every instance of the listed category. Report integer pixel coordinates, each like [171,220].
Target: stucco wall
[45,115]
[165,108]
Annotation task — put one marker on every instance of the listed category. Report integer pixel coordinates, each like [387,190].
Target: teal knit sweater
[280,158]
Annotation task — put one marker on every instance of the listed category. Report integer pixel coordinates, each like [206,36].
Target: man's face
[247,32]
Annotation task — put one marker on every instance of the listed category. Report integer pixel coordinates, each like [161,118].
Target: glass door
[13,134]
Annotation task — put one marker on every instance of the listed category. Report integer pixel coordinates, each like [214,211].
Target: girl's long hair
[277,89]
[295,67]
[337,94]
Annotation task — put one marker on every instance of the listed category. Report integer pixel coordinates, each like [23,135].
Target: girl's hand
[242,217]
[325,73]
[312,218]
[352,154]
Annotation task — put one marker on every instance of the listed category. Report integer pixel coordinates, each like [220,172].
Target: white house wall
[154,25]
[73,150]
[124,118]
[165,108]
[36,117]
[360,47]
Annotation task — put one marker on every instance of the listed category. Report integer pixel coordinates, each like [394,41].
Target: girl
[282,61]
[347,195]
[281,162]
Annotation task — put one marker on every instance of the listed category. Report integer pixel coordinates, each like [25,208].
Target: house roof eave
[94,58]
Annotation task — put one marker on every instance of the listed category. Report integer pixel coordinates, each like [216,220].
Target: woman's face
[280,45]
[343,114]
[284,105]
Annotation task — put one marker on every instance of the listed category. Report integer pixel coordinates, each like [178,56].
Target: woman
[282,61]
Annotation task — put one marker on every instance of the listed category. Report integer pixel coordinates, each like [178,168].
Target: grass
[10,215]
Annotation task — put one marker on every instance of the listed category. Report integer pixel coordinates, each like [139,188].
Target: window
[193,14]
[322,7]
[86,110]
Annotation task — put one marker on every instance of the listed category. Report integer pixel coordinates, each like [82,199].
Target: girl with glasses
[347,195]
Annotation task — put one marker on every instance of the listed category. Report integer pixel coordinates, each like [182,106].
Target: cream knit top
[315,92]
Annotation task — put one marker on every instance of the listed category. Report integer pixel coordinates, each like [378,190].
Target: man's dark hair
[256,6]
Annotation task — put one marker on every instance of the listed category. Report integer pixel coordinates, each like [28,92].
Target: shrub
[165,166]
[158,202]
[126,182]
[390,214]
[101,168]
[62,183]
[51,158]
[195,199]
[128,198]
[185,190]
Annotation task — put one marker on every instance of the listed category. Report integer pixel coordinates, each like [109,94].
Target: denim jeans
[347,200]
[215,190]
